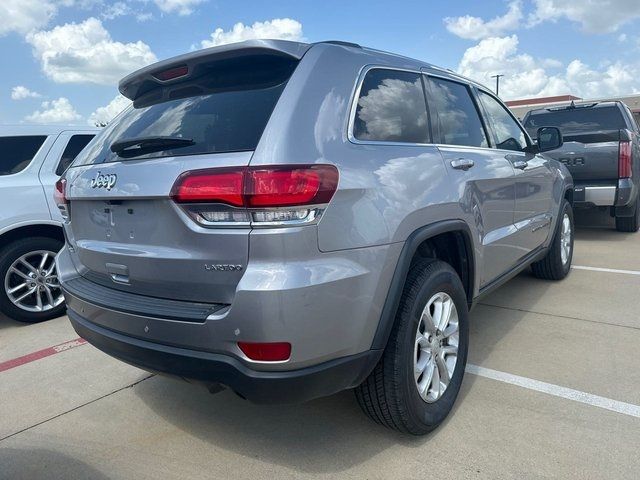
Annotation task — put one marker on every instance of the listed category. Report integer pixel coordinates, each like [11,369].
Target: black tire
[390,395]
[551,267]
[629,224]
[9,254]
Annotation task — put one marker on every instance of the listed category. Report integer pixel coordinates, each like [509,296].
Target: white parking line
[557,391]
[608,270]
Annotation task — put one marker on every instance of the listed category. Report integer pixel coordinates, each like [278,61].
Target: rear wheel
[415,384]
[557,263]
[629,224]
[31,292]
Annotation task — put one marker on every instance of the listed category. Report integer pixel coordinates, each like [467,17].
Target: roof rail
[340,42]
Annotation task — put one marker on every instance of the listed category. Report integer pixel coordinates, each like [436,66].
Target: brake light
[60,196]
[221,186]
[172,73]
[625,160]
[266,352]
[275,194]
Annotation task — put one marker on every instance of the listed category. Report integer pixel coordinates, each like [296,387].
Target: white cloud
[107,113]
[85,52]
[526,76]
[21,92]
[55,111]
[22,16]
[114,10]
[475,28]
[144,16]
[595,16]
[181,7]
[278,28]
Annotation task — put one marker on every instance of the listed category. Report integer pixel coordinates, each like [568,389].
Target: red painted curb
[47,352]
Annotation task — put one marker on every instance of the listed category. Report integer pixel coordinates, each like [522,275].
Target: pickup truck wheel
[415,384]
[557,263]
[30,292]
[629,224]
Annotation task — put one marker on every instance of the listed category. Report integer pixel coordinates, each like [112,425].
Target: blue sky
[65,56]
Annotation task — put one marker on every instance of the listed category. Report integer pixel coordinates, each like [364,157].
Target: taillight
[211,186]
[261,196]
[266,352]
[60,196]
[624,160]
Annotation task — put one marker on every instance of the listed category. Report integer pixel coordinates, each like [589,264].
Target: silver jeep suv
[290,220]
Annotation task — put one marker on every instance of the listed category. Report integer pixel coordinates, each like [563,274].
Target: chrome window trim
[354,106]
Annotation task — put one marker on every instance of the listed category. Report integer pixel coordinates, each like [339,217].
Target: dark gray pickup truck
[602,151]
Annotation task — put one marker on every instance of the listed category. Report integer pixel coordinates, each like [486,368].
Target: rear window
[576,120]
[224,110]
[16,153]
[71,151]
[391,108]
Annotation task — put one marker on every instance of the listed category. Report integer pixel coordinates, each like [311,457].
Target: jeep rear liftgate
[131,230]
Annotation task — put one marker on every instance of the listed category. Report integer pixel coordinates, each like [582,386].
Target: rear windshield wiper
[134,147]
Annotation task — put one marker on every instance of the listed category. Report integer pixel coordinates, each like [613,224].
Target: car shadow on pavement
[36,464]
[327,435]
[6,322]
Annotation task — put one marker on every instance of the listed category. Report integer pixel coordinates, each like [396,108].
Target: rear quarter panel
[385,192]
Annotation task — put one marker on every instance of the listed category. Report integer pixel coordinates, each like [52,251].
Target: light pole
[497,77]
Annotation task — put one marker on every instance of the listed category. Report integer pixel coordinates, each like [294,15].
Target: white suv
[32,158]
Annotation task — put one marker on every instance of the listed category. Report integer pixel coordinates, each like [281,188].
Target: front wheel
[31,292]
[415,384]
[557,263]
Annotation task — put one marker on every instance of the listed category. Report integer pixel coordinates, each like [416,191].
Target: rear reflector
[172,73]
[625,160]
[266,352]
[258,187]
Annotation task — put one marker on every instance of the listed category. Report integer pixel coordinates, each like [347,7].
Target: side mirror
[549,138]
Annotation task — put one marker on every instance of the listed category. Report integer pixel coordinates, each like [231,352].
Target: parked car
[291,220]
[32,158]
[602,151]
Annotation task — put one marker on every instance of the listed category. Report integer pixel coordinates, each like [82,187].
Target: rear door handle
[520,164]
[462,163]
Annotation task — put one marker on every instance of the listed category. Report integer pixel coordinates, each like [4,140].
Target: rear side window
[225,109]
[576,120]
[391,108]
[16,153]
[508,134]
[458,117]
[71,151]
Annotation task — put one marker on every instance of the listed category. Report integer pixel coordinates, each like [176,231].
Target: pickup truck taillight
[624,160]
[60,197]
[278,195]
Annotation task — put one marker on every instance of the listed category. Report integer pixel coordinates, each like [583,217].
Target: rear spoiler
[184,67]
[598,136]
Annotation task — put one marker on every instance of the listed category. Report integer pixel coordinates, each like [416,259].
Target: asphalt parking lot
[553,391]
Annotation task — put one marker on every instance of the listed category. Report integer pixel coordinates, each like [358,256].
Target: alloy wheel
[436,347]
[565,239]
[31,282]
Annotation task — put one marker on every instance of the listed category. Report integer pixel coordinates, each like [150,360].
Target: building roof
[541,100]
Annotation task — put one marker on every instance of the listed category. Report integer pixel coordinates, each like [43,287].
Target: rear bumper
[292,386]
[620,194]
